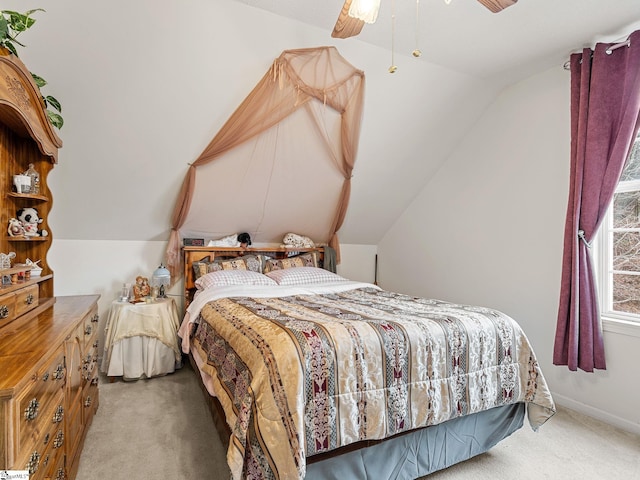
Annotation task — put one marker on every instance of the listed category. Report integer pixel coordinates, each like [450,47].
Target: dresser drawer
[90,329]
[39,404]
[90,398]
[7,308]
[26,299]
[43,446]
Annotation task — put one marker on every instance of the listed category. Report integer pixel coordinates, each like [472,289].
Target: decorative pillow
[304,276]
[253,263]
[223,278]
[200,267]
[309,259]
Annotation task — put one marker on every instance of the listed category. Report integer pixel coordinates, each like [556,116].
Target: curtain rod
[626,43]
[608,51]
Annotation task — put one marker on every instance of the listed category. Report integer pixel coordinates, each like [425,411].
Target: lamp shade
[161,277]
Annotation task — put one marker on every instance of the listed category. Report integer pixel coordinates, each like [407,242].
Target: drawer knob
[59,440]
[87,330]
[58,414]
[32,464]
[29,299]
[46,438]
[60,474]
[87,402]
[95,318]
[31,412]
[59,373]
[4,311]
[45,377]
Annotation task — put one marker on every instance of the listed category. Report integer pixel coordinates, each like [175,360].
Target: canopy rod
[608,51]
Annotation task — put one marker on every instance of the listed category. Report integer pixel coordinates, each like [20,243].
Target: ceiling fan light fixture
[365,10]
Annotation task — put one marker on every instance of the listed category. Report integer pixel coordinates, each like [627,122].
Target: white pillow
[304,276]
[222,278]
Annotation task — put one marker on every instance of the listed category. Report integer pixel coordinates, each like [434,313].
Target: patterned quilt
[304,374]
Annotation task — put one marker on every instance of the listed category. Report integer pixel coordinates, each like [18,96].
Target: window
[618,247]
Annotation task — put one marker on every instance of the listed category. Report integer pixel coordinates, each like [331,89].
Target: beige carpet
[161,429]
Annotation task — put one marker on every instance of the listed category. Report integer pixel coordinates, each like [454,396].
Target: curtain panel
[605,102]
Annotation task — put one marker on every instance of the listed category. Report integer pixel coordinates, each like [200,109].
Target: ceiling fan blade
[346,26]
[496,5]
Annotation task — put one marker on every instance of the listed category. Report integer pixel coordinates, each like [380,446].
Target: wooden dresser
[48,344]
[49,388]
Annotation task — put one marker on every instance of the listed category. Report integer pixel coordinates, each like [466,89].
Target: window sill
[622,327]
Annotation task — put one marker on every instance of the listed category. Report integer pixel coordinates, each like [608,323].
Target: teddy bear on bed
[31,221]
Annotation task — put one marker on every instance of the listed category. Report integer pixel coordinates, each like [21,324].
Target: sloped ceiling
[488,51]
[142,103]
[464,36]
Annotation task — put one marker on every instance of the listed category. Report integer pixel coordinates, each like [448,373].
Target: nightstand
[141,340]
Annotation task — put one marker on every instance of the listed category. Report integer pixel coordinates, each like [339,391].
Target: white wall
[488,230]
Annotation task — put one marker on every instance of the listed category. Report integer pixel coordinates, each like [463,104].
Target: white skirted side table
[141,340]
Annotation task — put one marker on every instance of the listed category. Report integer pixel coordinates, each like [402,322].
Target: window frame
[612,320]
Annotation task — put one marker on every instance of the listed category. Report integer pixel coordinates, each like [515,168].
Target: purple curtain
[605,102]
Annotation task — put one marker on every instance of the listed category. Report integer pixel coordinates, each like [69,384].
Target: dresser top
[27,347]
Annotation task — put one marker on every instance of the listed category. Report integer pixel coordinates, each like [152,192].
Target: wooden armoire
[48,344]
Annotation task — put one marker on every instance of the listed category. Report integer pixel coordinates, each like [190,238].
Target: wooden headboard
[197,254]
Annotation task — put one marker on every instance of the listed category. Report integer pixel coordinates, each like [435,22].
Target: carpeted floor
[161,429]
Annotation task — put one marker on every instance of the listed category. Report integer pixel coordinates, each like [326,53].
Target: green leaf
[40,82]
[4,27]
[11,48]
[55,119]
[53,102]
[18,21]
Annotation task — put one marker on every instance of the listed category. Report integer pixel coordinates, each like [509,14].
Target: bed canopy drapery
[283,160]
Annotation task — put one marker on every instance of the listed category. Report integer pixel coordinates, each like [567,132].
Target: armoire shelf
[26,137]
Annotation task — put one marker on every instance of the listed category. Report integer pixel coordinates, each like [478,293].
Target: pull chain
[417,52]
[393,67]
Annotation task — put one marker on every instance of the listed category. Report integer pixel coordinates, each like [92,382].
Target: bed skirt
[405,456]
[424,451]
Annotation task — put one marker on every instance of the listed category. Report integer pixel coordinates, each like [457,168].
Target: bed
[310,375]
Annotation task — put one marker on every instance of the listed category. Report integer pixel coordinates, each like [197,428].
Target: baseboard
[597,414]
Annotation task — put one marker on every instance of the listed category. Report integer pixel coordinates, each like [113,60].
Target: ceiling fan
[353,17]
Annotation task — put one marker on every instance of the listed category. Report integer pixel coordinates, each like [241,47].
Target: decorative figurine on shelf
[36,270]
[15,228]
[141,289]
[31,221]
[22,183]
[5,259]
[34,184]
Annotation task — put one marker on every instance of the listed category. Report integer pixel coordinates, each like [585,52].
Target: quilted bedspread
[303,374]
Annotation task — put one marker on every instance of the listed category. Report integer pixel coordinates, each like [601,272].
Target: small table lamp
[161,278]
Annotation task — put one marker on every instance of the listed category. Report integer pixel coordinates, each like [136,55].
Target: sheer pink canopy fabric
[284,159]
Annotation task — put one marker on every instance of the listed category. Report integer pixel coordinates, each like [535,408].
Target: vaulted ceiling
[464,36]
